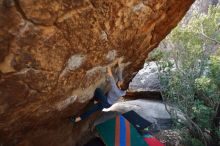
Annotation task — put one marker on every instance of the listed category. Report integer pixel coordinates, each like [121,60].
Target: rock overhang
[54,55]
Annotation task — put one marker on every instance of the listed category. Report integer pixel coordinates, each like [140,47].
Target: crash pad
[119,132]
[152,141]
[137,121]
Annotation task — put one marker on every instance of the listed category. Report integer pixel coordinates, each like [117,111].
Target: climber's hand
[119,62]
[109,71]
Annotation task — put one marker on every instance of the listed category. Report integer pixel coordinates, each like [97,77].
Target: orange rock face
[54,53]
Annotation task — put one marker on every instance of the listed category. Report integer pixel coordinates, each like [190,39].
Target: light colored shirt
[115,93]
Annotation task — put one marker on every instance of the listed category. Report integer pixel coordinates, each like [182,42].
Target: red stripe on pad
[117,131]
[128,133]
[153,142]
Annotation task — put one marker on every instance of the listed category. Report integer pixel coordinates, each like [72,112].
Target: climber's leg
[93,109]
[101,98]
[102,103]
[98,94]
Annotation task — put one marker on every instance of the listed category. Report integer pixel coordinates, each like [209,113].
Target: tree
[190,77]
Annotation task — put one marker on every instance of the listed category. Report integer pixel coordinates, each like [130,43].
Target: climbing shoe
[72,119]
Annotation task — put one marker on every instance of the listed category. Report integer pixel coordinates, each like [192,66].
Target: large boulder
[152,111]
[146,79]
[54,53]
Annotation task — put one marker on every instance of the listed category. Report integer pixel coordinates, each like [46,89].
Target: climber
[102,100]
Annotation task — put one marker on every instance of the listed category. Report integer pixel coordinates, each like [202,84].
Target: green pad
[107,131]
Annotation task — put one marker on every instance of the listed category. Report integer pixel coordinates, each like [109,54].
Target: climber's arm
[111,78]
[119,73]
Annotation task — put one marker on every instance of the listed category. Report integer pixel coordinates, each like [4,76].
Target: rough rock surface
[53,55]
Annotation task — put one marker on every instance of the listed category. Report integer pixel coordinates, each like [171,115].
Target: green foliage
[218,132]
[156,55]
[189,140]
[215,69]
[196,142]
[190,75]
[202,114]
